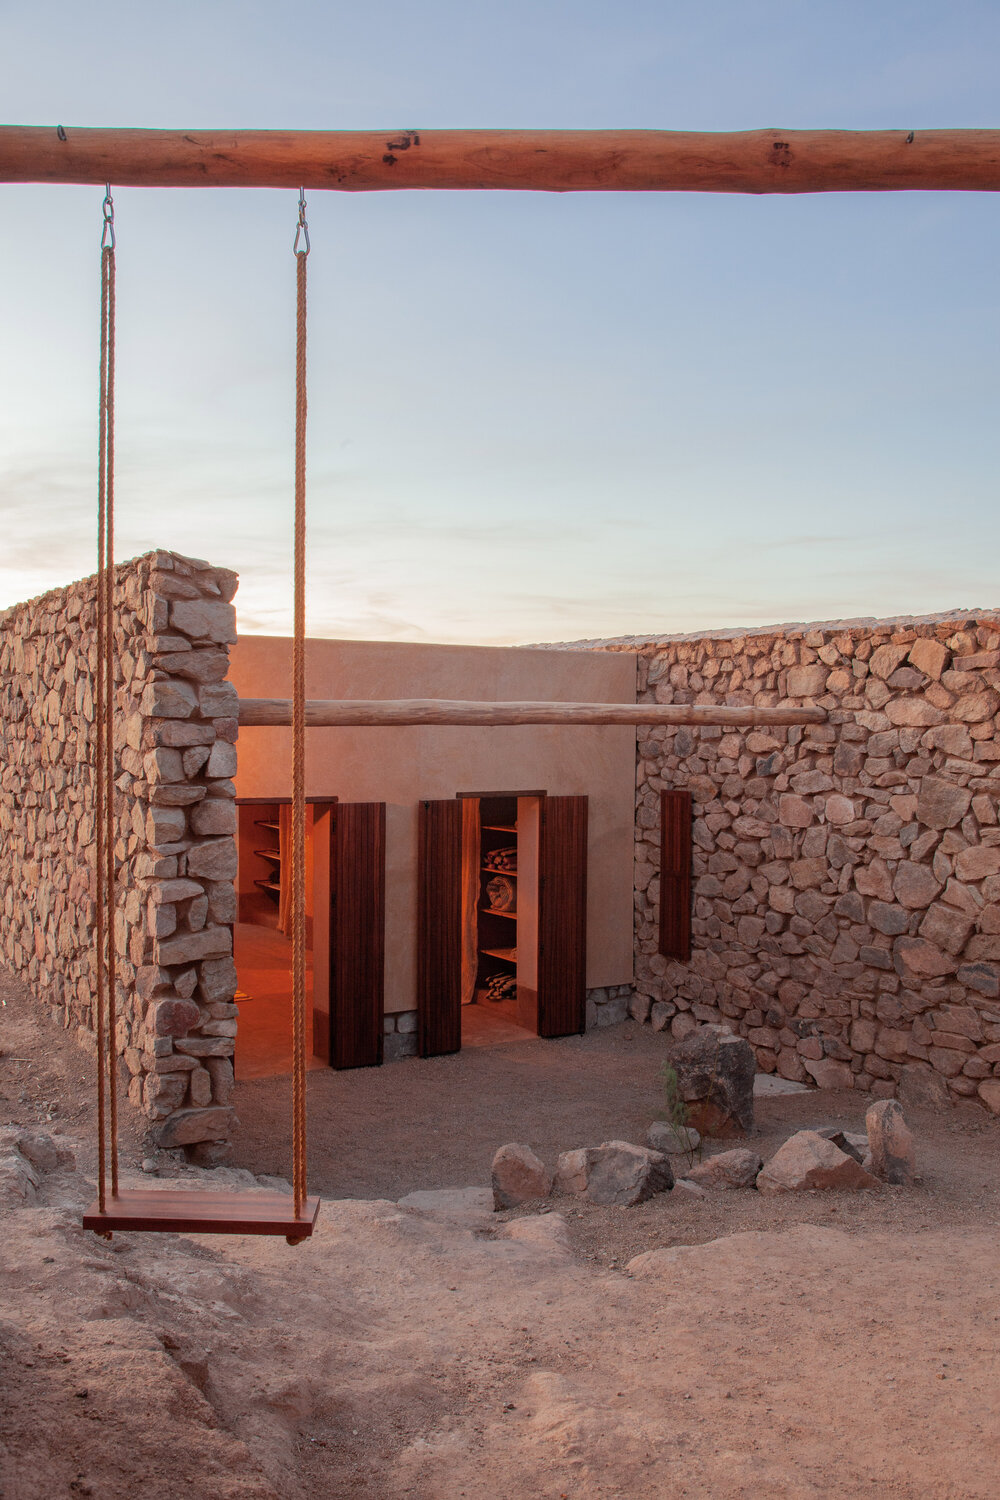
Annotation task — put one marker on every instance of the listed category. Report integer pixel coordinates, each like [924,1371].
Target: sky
[533,417]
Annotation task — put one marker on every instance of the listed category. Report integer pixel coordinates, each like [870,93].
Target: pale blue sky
[532,416]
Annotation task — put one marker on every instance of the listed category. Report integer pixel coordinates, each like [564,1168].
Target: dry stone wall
[176,726]
[846,875]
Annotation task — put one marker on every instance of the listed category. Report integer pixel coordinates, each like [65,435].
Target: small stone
[941,804]
[829,1074]
[518,1176]
[839,810]
[571,1172]
[623,1174]
[808,1161]
[672,1140]
[929,656]
[915,886]
[688,1188]
[730,1169]
[890,1143]
[989,1092]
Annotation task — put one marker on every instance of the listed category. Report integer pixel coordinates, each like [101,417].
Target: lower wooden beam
[347,713]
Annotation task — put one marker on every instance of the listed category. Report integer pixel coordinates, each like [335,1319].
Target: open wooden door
[675,874]
[439,928]
[562,917]
[355,954]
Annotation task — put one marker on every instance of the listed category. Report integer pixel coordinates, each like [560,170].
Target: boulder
[806,1161]
[42,1150]
[18,1179]
[890,1143]
[730,1169]
[623,1174]
[571,1172]
[829,1074]
[189,1126]
[715,1072]
[989,1092]
[672,1140]
[921,1088]
[518,1176]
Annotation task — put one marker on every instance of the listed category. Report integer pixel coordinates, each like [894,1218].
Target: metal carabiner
[302,228]
[108,232]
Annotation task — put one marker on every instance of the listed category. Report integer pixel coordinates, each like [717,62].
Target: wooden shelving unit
[270,883]
[497,926]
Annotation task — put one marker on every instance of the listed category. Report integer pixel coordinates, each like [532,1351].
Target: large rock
[715,1072]
[623,1174]
[190,1125]
[921,1088]
[989,1092]
[808,1161]
[672,1140]
[730,1169]
[518,1176]
[890,1143]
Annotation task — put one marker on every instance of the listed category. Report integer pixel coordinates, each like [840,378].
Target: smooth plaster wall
[403,766]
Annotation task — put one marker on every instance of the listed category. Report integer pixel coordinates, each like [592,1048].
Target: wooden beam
[336,713]
[749,161]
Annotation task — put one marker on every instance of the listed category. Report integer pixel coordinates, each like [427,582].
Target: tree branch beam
[335,713]
[559,161]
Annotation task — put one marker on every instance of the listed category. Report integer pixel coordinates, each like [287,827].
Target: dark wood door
[562,917]
[439,928]
[357,934]
[675,874]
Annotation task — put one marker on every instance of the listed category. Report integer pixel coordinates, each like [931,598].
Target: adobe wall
[401,766]
[847,875]
[175,756]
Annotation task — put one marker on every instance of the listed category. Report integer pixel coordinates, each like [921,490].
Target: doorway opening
[499,919]
[262,942]
[501,912]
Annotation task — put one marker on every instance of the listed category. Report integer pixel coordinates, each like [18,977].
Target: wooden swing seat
[176,1211]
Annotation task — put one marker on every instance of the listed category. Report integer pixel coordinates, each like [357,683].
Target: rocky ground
[824,1344]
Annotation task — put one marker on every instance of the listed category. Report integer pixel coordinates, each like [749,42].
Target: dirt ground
[809,1345]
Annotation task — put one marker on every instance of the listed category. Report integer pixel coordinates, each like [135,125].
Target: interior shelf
[268,885]
[509,955]
[274,854]
[492,870]
[491,911]
[500,827]
[263,823]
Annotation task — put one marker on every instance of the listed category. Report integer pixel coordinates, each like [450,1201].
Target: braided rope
[100,764]
[109,729]
[299,758]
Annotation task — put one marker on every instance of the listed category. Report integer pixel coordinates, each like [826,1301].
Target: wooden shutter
[675,874]
[439,928]
[562,917]
[357,936]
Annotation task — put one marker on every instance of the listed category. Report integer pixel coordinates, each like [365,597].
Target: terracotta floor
[264,1041]
[492,1023]
[264,976]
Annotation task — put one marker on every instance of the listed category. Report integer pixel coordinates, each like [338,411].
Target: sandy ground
[813,1345]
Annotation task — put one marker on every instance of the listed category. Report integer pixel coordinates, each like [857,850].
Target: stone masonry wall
[846,875]
[176,724]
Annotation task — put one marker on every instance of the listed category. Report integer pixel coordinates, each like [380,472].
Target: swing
[178,1210]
